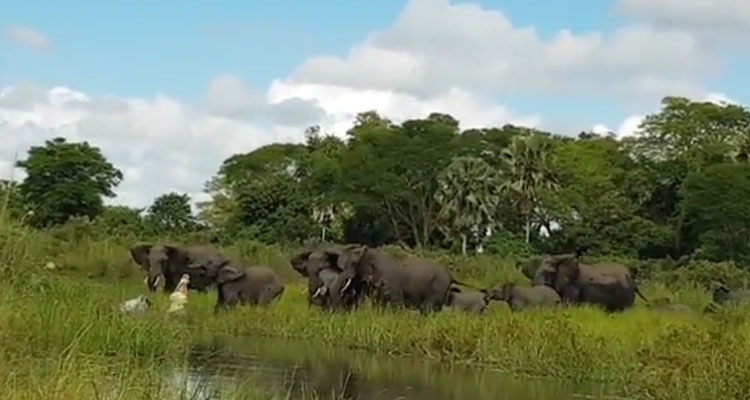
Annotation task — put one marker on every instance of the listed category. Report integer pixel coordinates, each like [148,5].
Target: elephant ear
[334,255]
[174,252]
[298,262]
[351,257]
[567,270]
[139,253]
[228,274]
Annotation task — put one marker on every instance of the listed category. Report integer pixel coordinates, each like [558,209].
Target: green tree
[275,209]
[121,221]
[529,170]
[696,134]
[241,170]
[66,179]
[171,214]
[468,195]
[392,171]
[715,212]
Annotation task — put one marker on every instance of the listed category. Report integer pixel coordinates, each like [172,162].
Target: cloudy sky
[168,90]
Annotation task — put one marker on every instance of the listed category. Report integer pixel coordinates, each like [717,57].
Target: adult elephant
[414,283]
[321,267]
[202,263]
[237,284]
[610,285]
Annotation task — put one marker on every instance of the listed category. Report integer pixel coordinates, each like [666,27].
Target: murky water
[294,370]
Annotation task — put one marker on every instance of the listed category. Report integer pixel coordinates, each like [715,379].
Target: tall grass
[62,337]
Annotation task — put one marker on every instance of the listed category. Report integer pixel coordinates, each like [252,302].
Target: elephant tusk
[346,285]
[318,291]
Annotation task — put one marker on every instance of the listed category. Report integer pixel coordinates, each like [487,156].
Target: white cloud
[27,36]
[342,104]
[159,143]
[435,46]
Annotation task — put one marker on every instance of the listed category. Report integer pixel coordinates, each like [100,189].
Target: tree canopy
[679,186]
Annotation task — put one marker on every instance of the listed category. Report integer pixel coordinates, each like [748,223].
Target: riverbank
[63,335]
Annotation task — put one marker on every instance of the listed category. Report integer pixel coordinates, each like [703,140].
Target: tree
[66,179]
[392,171]
[468,194]
[696,134]
[171,214]
[715,212]
[121,221]
[528,170]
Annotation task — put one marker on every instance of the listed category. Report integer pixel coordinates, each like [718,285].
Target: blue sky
[138,49]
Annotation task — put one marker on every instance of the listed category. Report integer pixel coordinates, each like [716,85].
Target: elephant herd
[342,276]
[206,266]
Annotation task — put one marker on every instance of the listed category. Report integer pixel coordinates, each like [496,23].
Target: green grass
[63,339]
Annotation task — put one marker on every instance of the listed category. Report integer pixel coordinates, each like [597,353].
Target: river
[294,370]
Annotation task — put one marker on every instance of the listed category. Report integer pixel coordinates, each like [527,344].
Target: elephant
[723,295]
[471,302]
[521,297]
[312,264]
[256,285]
[609,285]
[202,263]
[414,283]
[322,296]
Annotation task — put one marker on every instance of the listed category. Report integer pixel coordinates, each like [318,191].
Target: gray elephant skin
[413,283]
[202,263]
[609,285]
[240,285]
[321,269]
[471,302]
[521,297]
[722,295]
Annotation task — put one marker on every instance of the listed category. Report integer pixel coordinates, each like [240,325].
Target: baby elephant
[322,294]
[471,302]
[520,297]
[237,284]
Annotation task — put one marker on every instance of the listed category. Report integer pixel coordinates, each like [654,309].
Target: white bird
[137,305]
[179,297]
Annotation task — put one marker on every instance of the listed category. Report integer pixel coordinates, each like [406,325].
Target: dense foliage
[680,187]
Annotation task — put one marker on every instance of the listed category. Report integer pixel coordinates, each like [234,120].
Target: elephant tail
[638,292]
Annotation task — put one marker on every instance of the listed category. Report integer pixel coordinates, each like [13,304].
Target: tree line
[681,186]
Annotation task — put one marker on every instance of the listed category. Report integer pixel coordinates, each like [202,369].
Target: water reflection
[296,370]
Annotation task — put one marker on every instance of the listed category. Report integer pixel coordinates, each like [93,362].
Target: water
[293,370]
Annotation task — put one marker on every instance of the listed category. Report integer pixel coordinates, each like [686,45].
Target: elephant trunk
[154,275]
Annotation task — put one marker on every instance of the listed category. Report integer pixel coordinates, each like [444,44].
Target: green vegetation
[672,203]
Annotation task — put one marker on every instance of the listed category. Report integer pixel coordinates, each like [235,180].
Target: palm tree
[329,215]
[468,195]
[528,162]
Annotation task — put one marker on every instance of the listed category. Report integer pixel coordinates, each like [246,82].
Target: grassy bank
[63,339]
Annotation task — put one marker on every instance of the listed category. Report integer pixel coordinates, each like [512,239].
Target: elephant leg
[433,302]
[170,284]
